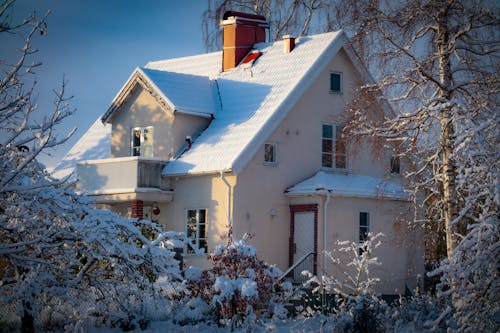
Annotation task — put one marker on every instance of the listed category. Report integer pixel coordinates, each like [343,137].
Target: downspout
[325,219]
[229,190]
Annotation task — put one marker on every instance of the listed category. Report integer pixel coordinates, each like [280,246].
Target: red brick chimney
[240,32]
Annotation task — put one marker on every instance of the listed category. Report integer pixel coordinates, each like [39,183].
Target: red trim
[252,57]
[291,244]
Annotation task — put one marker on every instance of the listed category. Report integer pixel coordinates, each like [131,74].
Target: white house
[250,137]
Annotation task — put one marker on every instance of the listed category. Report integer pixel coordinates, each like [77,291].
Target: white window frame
[142,147]
[188,250]
[360,227]
[340,91]
[275,154]
[336,128]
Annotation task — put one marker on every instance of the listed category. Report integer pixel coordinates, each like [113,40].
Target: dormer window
[335,82]
[142,141]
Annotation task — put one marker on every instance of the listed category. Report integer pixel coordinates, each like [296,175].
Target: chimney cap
[231,13]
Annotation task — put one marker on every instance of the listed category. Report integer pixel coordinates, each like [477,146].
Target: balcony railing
[114,174]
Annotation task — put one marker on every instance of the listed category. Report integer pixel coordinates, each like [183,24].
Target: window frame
[366,232]
[336,129]
[187,249]
[142,146]
[275,154]
[341,86]
[395,165]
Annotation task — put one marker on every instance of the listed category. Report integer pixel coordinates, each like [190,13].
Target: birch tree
[436,63]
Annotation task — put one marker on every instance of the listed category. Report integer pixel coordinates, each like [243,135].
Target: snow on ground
[314,324]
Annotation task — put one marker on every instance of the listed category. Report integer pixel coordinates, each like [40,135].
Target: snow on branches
[239,284]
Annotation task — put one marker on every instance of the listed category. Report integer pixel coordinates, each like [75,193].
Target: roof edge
[304,83]
[138,76]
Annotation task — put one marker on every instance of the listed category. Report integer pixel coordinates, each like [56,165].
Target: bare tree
[436,62]
[295,17]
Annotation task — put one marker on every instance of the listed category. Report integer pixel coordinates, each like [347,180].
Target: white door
[303,237]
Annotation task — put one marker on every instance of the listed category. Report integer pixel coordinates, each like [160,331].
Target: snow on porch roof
[253,101]
[348,185]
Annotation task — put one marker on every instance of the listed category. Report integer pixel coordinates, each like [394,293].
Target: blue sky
[96,44]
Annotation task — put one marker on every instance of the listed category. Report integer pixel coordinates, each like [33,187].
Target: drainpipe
[325,219]
[229,224]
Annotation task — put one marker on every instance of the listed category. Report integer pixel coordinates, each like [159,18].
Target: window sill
[335,170]
[271,164]
[335,92]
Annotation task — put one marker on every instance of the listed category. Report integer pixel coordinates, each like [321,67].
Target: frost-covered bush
[239,285]
[357,307]
[66,263]
[469,280]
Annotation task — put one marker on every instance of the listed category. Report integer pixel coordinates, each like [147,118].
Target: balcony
[123,179]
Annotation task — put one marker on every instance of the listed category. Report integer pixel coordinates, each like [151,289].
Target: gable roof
[247,103]
[173,91]
[253,100]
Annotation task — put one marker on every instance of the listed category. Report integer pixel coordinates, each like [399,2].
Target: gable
[142,110]
[174,92]
[254,101]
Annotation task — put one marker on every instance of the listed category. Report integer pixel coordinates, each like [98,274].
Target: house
[250,137]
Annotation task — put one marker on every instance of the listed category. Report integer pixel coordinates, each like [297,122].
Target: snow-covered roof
[94,144]
[247,102]
[253,99]
[178,92]
[349,185]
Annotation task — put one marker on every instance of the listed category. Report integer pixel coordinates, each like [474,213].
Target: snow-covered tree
[63,264]
[239,284]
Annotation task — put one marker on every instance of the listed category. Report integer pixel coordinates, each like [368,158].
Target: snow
[253,100]
[191,94]
[94,144]
[349,185]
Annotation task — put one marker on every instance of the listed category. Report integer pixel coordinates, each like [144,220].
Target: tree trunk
[448,170]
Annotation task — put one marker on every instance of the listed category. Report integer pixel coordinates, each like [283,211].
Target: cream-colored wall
[259,192]
[200,192]
[143,110]
[400,256]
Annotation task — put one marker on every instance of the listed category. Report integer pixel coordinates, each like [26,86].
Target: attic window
[335,82]
[251,57]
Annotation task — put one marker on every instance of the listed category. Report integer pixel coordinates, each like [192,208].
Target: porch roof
[348,185]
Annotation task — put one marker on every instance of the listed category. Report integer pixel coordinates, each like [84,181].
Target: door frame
[310,208]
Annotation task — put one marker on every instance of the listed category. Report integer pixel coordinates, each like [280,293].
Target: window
[335,82]
[142,141]
[270,153]
[196,229]
[333,152]
[395,167]
[364,228]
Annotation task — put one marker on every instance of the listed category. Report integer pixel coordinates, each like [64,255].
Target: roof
[349,185]
[253,99]
[247,103]
[94,144]
[172,91]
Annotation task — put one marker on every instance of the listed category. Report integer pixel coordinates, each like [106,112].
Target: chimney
[289,43]
[240,32]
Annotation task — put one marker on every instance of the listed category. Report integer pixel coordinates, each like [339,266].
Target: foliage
[63,264]
[239,284]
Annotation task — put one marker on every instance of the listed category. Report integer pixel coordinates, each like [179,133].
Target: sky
[96,44]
